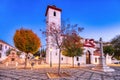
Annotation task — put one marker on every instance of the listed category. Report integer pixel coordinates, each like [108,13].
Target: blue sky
[100,18]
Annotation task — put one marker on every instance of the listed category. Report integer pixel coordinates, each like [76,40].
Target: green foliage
[108,50]
[27,41]
[36,54]
[58,33]
[117,54]
[41,53]
[116,44]
[72,46]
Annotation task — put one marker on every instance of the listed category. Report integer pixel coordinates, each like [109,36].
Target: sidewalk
[40,73]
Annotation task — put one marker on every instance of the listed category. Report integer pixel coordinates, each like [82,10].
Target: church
[91,51]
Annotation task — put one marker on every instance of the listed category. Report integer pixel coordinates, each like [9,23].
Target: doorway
[88,57]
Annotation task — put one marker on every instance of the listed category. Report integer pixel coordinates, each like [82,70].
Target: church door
[88,58]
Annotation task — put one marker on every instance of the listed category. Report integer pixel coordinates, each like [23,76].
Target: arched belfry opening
[54,13]
[88,57]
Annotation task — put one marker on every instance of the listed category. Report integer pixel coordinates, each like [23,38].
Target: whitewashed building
[4,47]
[91,51]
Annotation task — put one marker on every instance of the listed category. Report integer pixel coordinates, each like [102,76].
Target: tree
[27,41]
[58,33]
[116,45]
[108,50]
[72,46]
[41,52]
[37,53]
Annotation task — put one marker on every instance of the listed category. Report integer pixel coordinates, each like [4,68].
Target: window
[62,58]
[54,13]
[77,58]
[95,60]
[5,47]
[0,55]
[0,46]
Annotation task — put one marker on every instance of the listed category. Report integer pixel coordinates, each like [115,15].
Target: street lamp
[50,57]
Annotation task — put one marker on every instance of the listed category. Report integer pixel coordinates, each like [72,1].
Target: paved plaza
[40,74]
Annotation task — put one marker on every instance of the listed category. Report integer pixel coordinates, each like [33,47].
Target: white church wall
[89,44]
[83,59]
[69,60]
[79,60]
[91,50]
[96,60]
[55,56]
[108,59]
[64,59]
[51,18]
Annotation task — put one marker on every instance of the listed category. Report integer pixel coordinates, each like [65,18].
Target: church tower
[53,15]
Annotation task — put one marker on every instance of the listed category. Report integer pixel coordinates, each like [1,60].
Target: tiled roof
[97,53]
[52,7]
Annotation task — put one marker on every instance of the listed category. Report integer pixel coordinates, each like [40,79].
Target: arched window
[77,58]
[54,13]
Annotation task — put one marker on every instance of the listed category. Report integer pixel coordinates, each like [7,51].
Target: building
[4,47]
[91,51]
[53,15]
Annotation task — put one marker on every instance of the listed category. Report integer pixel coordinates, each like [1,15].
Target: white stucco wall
[108,59]
[54,54]
[5,48]
[50,18]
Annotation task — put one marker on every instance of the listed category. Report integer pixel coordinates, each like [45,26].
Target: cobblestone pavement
[40,74]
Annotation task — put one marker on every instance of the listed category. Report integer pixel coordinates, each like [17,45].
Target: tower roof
[52,7]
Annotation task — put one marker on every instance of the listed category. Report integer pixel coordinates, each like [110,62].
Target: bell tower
[53,16]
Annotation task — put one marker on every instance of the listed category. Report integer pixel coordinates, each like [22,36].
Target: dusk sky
[100,18]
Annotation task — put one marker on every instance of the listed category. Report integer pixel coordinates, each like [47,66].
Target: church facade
[91,51]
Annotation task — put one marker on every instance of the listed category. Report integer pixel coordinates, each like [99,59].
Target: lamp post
[50,57]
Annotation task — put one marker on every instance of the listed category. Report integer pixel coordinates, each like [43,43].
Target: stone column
[102,64]
[102,58]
